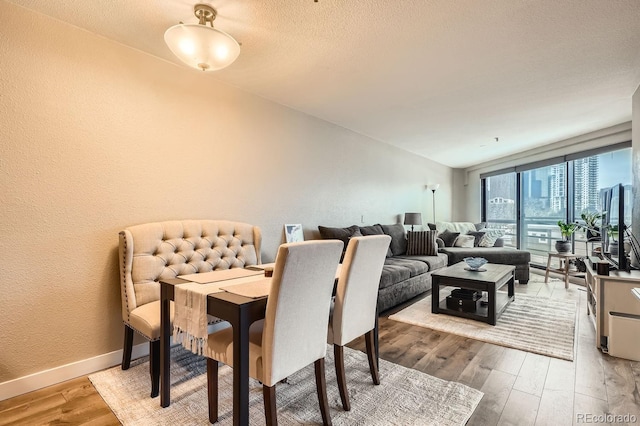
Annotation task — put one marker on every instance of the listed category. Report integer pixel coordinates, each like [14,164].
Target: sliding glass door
[544,202]
[500,206]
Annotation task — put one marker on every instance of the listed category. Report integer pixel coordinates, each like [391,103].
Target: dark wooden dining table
[240,312]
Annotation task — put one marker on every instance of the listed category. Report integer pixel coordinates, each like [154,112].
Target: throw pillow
[398,238]
[464,241]
[422,243]
[480,225]
[448,237]
[432,226]
[490,236]
[477,237]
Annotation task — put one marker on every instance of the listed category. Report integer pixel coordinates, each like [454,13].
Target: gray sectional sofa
[494,254]
[403,277]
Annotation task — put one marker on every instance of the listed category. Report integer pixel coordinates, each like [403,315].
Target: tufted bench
[162,250]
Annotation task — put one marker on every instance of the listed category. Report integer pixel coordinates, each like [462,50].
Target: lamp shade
[413,219]
[202,47]
[433,186]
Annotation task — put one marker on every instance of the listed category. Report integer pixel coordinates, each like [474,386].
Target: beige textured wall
[96,137]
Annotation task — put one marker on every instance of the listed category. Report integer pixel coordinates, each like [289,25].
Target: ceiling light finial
[201,46]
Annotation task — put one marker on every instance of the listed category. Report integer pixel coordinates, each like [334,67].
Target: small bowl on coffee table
[475,264]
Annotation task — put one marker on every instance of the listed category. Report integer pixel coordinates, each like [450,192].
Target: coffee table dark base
[495,278]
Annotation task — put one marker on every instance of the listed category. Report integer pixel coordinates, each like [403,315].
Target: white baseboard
[63,373]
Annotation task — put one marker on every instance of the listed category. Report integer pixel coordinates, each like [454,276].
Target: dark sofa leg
[523,281]
[127,347]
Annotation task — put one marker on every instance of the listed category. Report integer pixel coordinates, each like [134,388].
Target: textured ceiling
[440,78]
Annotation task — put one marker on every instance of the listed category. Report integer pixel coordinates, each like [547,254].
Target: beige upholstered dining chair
[161,250]
[293,332]
[354,312]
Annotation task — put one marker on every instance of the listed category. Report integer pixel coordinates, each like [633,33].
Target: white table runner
[190,321]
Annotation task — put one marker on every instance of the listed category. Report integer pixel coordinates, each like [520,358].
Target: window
[528,201]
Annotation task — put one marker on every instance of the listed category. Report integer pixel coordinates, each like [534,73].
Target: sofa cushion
[372,230]
[448,237]
[422,243]
[397,269]
[500,255]
[461,227]
[375,230]
[434,262]
[342,234]
[398,239]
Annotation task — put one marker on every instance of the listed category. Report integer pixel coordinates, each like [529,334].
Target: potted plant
[567,230]
[591,224]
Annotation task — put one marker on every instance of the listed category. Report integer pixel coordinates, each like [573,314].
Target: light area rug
[404,397]
[541,325]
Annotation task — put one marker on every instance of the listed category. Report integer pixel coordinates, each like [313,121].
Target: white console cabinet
[615,311]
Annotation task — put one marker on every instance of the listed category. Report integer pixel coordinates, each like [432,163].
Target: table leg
[546,274]
[241,369]
[491,308]
[165,347]
[435,295]
[567,264]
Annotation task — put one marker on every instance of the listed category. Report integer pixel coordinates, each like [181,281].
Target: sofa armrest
[440,242]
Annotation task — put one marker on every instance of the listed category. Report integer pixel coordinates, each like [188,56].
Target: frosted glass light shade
[201,46]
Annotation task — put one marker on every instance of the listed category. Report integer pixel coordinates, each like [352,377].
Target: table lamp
[412,219]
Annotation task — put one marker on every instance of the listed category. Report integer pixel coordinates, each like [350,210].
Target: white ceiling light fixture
[201,46]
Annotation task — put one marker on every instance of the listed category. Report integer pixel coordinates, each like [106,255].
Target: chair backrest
[354,311]
[295,325]
[161,250]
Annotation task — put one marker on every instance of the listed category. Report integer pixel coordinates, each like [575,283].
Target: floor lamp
[433,187]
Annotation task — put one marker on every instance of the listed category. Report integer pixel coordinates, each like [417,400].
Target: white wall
[467,181]
[97,136]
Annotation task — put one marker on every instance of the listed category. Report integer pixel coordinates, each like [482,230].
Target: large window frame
[519,221]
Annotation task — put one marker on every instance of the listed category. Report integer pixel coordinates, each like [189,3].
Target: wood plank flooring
[520,388]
